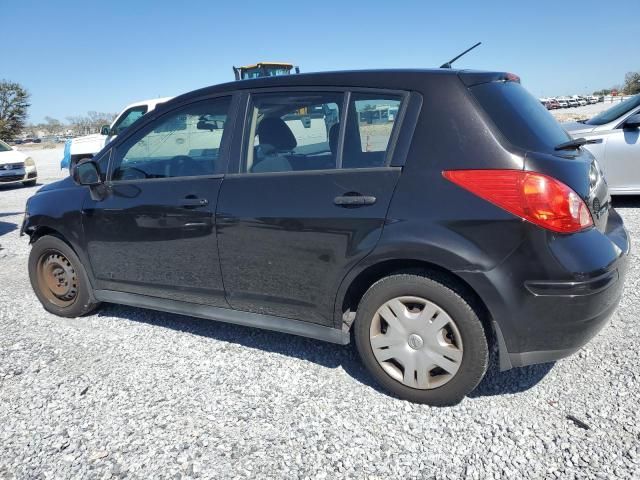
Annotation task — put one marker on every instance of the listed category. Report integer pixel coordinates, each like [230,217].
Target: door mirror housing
[105,130]
[633,121]
[87,173]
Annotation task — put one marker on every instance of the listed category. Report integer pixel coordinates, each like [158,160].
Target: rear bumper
[576,320]
[555,293]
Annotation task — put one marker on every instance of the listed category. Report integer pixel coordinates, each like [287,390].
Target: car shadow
[6,227]
[516,380]
[18,186]
[322,353]
[10,214]
[626,201]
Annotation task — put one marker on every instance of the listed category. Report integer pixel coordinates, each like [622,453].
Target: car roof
[152,101]
[400,79]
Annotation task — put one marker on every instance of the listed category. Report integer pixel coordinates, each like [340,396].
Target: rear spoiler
[471,78]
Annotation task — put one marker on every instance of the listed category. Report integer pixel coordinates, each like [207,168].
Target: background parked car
[617,130]
[553,104]
[16,167]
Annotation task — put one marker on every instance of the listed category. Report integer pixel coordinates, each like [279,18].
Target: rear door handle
[354,200]
[194,202]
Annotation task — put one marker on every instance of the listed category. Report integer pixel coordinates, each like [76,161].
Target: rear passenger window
[369,129]
[293,131]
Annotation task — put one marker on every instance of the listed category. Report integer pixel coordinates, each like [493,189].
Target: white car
[616,132]
[16,167]
[562,103]
[79,148]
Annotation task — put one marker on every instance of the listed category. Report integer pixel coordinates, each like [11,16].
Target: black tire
[50,253]
[29,183]
[476,351]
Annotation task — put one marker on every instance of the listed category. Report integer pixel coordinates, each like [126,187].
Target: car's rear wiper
[576,143]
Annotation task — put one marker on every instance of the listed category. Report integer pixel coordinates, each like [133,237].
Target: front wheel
[29,183]
[421,340]
[58,278]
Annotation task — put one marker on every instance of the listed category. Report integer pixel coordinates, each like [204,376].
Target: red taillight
[533,196]
[512,77]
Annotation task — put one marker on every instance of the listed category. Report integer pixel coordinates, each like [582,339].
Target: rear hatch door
[528,128]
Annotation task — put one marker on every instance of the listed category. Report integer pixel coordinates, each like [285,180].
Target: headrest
[274,131]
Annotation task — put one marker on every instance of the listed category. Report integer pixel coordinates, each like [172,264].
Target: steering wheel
[185,166]
[133,173]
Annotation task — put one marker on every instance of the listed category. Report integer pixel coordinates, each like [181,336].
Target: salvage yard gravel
[133,393]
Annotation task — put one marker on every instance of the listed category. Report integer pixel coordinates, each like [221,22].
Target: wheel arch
[347,302]
[40,230]
[43,230]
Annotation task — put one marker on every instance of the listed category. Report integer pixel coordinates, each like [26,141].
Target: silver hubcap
[416,342]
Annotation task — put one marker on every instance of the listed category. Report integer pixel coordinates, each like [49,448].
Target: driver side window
[182,143]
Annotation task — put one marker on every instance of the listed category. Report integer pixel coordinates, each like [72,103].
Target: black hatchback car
[430,214]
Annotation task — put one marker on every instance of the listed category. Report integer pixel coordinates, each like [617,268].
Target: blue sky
[75,56]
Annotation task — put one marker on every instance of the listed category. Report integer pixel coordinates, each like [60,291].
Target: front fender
[57,210]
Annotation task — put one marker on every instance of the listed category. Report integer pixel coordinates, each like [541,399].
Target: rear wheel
[58,278]
[421,340]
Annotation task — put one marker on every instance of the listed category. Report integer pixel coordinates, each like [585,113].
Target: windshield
[128,117]
[4,147]
[615,112]
[519,116]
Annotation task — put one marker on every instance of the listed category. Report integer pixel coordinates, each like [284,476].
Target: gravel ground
[133,393]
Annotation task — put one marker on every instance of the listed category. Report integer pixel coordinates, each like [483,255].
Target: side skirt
[248,319]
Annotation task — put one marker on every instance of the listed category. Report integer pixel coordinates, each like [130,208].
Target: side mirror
[87,173]
[105,130]
[633,121]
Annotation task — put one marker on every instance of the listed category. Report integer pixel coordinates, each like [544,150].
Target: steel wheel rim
[57,278]
[416,342]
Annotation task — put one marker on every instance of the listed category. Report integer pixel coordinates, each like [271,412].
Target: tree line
[14,106]
[631,86]
[78,124]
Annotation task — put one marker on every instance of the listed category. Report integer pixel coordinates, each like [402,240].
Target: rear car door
[153,232]
[308,198]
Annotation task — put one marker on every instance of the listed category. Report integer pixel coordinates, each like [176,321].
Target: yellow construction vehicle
[264,69]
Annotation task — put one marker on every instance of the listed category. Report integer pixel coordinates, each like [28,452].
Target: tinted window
[128,117]
[615,112]
[293,131]
[4,147]
[519,116]
[369,128]
[185,142]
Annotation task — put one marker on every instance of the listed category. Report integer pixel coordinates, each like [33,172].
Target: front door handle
[354,200]
[194,202]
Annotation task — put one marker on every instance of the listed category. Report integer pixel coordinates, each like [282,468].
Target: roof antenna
[448,64]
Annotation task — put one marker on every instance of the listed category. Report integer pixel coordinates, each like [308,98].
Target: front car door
[309,198]
[153,233]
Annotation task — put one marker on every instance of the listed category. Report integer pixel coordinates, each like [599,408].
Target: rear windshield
[520,117]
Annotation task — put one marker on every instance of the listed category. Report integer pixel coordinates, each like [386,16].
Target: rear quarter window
[521,118]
